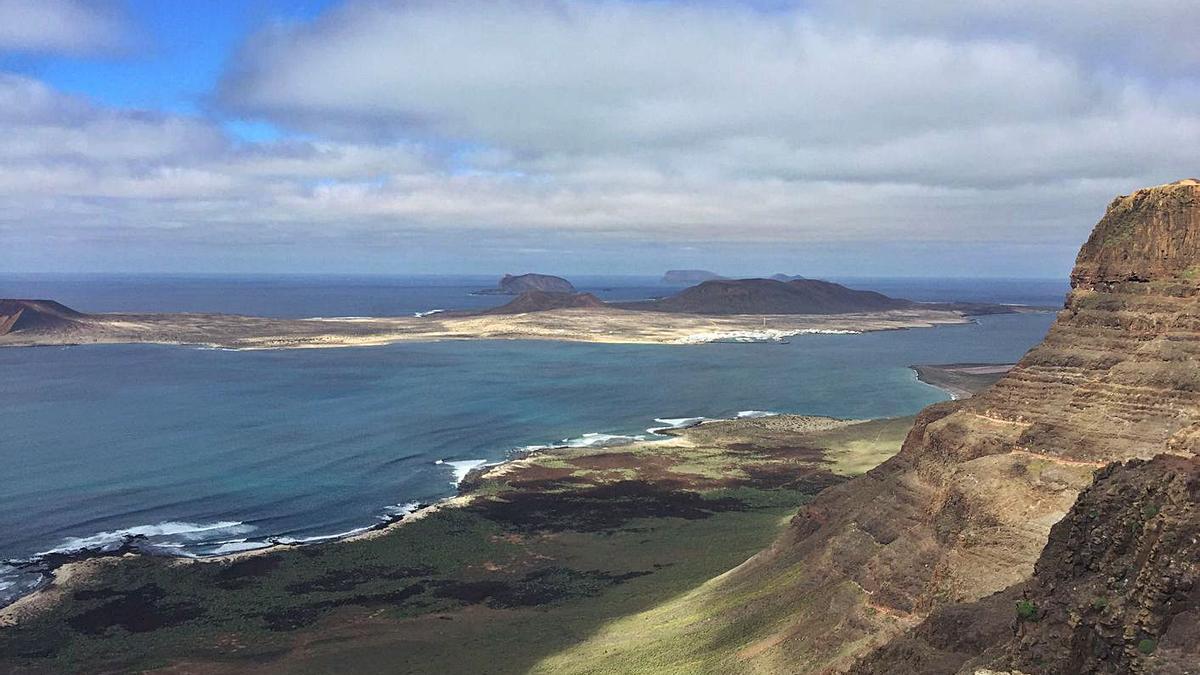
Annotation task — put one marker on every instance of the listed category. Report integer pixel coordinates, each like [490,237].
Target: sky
[822,138]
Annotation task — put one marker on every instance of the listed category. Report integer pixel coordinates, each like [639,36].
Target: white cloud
[621,122]
[727,92]
[1157,35]
[60,26]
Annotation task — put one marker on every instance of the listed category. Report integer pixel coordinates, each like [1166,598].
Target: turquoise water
[205,450]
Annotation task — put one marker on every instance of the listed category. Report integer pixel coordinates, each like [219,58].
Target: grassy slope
[559,555]
[706,630]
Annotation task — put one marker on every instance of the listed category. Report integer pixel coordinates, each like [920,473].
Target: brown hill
[770,296]
[37,316]
[965,509]
[541,301]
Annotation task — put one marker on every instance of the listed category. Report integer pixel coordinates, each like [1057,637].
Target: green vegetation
[548,556]
[1147,646]
[1027,610]
[861,447]
[1100,604]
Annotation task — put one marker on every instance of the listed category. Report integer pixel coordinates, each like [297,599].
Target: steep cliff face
[1150,234]
[1116,590]
[972,496]
[966,507]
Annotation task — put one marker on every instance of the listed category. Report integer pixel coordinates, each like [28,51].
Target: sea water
[200,451]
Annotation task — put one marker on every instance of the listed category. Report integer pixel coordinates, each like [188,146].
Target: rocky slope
[966,507]
[518,284]
[37,316]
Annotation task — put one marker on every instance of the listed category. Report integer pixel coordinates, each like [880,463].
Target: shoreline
[55,567]
[572,534]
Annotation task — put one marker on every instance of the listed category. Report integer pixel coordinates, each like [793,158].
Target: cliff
[37,316]
[966,508]
[518,284]
[1116,590]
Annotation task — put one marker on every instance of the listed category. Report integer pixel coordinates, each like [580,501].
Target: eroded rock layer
[1116,590]
[966,508]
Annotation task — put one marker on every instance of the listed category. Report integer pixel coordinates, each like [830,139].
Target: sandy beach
[608,325]
[961,380]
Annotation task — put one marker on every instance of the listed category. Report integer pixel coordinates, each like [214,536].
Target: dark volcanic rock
[518,284]
[768,296]
[37,316]
[541,301]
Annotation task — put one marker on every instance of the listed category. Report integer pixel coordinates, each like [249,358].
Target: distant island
[518,284]
[727,310]
[797,296]
[689,276]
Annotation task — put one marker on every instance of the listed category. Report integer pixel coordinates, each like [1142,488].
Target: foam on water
[746,414]
[237,547]
[399,510]
[596,440]
[321,537]
[461,467]
[751,336]
[161,534]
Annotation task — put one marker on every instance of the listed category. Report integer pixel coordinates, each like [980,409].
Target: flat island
[575,325]
[743,310]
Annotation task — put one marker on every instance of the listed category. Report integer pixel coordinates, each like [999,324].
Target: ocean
[205,451]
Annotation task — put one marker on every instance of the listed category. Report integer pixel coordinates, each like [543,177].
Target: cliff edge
[967,506]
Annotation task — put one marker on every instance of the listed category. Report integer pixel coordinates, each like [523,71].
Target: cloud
[727,91]
[69,27]
[1156,35]
[613,125]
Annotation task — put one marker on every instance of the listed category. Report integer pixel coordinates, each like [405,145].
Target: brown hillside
[1116,590]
